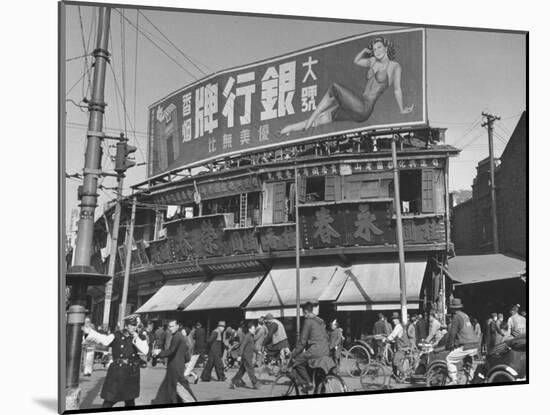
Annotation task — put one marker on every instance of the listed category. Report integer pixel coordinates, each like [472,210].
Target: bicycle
[286,385]
[438,375]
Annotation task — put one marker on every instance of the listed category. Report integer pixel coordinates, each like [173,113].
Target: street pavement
[151,378]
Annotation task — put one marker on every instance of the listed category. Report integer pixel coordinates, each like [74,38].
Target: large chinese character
[288,238]
[365,224]
[309,65]
[206,106]
[323,227]
[270,241]
[247,92]
[278,90]
[186,104]
[309,93]
[208,237]
[228,110]
[186,130]
[182,247]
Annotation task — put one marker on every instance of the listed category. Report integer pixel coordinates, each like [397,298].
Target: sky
[467,72]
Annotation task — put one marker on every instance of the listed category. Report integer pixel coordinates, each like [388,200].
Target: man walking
[246,355]
[89,350]
[462,340]
[174,387]
[199,338]
[215,351]
[259,337]
[122,380]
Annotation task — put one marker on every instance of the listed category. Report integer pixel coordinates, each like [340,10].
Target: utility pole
[129,242]
[399,231]
[489,120]
[122,163]
[112,254]
[297,222]
[82,274]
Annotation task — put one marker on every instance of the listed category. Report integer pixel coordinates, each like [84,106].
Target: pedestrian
[189,366]
[335,341]
[174,387]
[89,350]
[411,330]
[276,339]
[259,336]
[477,332]
[434,334]
[160,340]
[500,320]
[516,322]
[381,326]
[228,339]
[149,328]
[421,327]
[402,343]
[492,333]
[199,338]
[215,351]
[122,379]
[505,331]
[247,349]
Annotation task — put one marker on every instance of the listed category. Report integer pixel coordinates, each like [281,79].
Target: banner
[365,82]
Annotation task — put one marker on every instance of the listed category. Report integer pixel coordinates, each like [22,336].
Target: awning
[375,286]
[278,289]
[474,269]
[277,312]
[172,295]
[228,291]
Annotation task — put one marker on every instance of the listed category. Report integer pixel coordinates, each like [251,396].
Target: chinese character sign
[370,81]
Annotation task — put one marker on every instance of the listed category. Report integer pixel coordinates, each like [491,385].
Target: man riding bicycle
[276,340]
[461,340]
[312,349]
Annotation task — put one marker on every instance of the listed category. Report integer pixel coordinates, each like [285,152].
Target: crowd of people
[182,348]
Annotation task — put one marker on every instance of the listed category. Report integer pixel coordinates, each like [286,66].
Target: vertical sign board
[369,81]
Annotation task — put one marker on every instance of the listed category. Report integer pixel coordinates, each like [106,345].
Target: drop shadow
[48,403]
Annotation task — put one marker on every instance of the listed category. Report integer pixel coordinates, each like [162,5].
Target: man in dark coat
[421,327]
[491,333]
[178,354]
[247,349]
[215,351]
[199,337]
[122,380]
[312,349]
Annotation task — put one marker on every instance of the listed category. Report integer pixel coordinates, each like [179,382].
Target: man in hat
[215,351]
[312,349]
[122,380]
[401,339]
[516,323]
[276,340]
[174,387]
[461,341]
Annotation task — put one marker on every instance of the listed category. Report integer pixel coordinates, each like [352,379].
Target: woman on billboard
[342,104]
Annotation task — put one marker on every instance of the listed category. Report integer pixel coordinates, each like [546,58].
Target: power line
[468,130]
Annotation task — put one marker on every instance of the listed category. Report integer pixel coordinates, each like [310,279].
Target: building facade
[221,243]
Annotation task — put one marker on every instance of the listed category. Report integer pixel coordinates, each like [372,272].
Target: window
[410,189]
[315,189]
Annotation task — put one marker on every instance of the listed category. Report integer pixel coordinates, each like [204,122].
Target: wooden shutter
[301,189]
[279,196]
[330,188]
[427,191]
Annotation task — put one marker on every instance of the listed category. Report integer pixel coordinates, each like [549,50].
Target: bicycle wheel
[284,385]
[437,375]
[374,377]
[331,384]
[358,359]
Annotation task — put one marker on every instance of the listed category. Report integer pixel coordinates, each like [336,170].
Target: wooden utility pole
[113,254]
[489,120]
[399,231]
[129,243]
[297,221]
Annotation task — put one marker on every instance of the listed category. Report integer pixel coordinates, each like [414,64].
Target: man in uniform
[122,380]
[462,340]
[312,349]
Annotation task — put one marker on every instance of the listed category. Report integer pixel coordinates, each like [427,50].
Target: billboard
[370,81]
